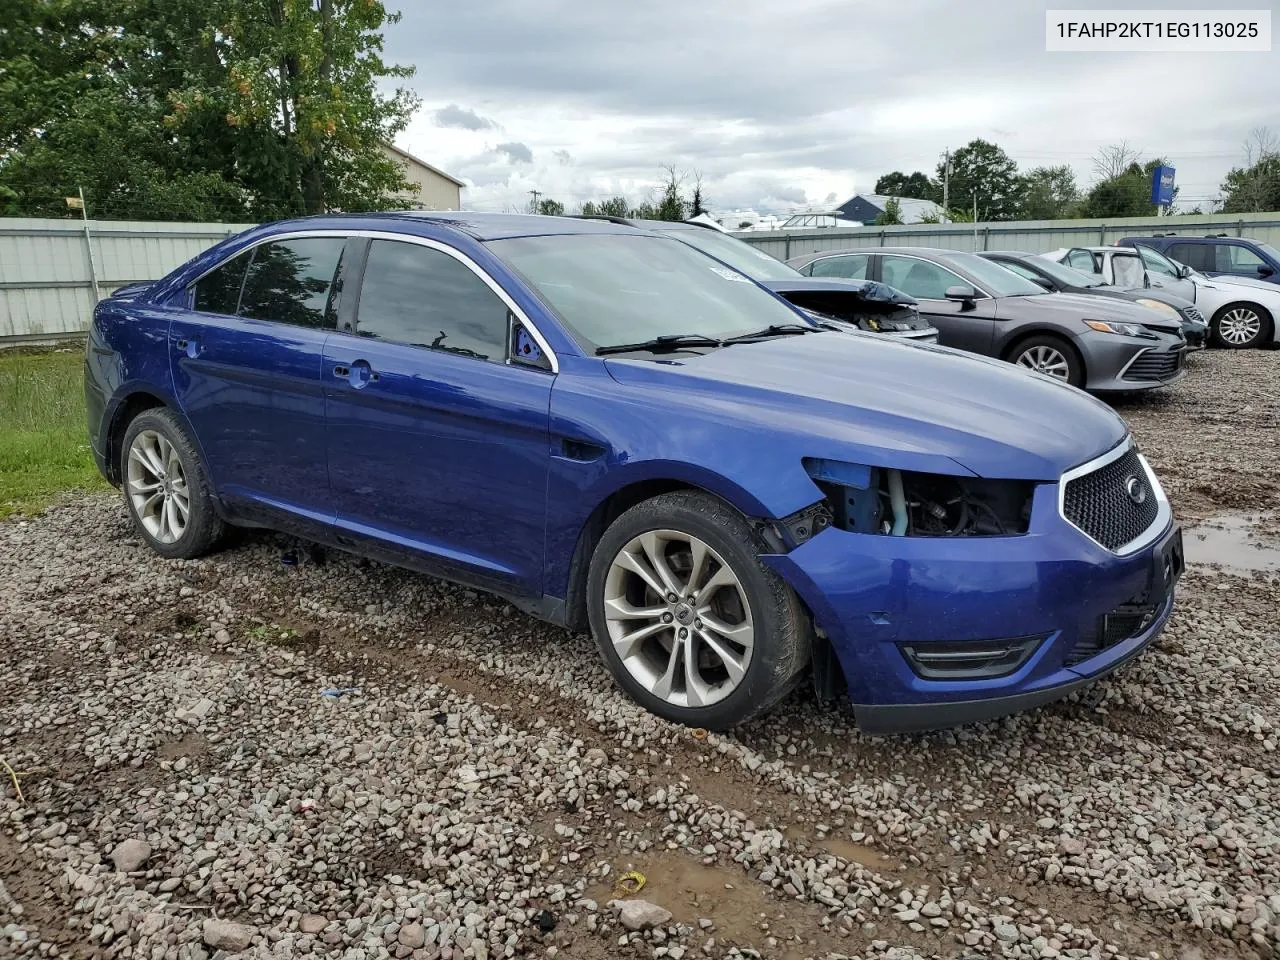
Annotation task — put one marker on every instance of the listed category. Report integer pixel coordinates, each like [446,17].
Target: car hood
[1087,306]
[1224,282]
[879,401]
[1134,293]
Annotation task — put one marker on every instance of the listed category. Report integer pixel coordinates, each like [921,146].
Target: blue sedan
[625,436]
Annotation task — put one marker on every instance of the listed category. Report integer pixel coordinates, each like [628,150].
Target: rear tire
[1240,326]
[166,487]
[689,621]
[1052,356]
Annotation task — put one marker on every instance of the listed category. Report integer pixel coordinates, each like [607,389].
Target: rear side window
[416,295]
[1198,256]
[219,291]
[292,281]
[853,267]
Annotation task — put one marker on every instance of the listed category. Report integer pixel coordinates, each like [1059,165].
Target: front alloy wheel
[1239,327]
[1047,360]
[678,618]
[157,487]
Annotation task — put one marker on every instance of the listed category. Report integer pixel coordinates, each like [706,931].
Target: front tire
[1052,356]
[689,621]
[166,488]
[1239,326]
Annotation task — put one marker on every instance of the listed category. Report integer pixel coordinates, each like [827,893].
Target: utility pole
[946,183]
[975,221]
[535,194]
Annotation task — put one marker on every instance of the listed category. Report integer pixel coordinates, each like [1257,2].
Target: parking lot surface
[283,753]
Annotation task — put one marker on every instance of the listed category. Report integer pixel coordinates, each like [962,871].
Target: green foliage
[1254,188]
[1127,194]
[550,208]
[915,186]
[671,204]
[892,214]
[613,207]
[981,169]
[201,109]
[1049,193]
[44,449]
[744,225]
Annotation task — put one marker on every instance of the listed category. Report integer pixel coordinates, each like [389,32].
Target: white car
[1241,312]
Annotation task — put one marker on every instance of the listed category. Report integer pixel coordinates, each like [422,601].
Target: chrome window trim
[422,242]
[1164,512]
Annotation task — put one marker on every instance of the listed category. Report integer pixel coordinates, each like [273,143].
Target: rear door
[438,418]
[967,325]
[246,362]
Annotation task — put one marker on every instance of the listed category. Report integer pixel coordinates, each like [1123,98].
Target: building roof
[912,209]
[422,163]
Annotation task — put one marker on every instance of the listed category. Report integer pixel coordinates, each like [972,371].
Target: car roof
[476,224]
[1005,253]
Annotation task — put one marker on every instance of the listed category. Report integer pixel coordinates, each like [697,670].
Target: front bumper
[1116,364]
[874,595]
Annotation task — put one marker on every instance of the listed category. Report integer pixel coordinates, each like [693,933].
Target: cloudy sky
[779,105]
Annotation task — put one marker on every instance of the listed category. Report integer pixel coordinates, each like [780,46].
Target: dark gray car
[1101,344]
[869,307]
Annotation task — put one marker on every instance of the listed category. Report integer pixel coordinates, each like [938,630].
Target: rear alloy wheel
[166,489]
[691,623]
[1051,356]
[1237,326]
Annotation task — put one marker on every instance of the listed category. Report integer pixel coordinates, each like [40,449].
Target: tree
[1126,195]
[1114,160]
[672,205]
[698,202]
[892,214]
[1050,193]
[550,208]
[983,171]
[1255,186]
[744,225]
[235,109]
[613,207]
[915,186]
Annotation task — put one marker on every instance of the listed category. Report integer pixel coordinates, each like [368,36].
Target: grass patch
[44,443]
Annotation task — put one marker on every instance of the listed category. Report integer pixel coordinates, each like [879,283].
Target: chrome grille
[1114,504]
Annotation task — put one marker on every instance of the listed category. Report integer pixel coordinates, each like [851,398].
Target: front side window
[611,289]
[425,298]
[1236,259]
[291,281]
[918,278]
[219,291]
[852,267]
[1157,262]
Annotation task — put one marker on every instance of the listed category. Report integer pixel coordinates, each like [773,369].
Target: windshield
[740,255]
[1069,276]
[615,288]
[1269,250]
[993,278]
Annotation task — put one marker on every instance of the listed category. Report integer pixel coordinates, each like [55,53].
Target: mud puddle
[1240,543]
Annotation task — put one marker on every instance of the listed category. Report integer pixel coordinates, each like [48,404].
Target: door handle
[358,374]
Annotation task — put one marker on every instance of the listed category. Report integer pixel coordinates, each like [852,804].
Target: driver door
[964,324]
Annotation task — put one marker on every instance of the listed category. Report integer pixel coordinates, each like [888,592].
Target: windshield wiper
[668,341]
[773,330]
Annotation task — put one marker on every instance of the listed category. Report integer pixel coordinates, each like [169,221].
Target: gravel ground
[190,791]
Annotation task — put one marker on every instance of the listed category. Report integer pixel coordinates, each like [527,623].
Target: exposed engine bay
[901,503]
[869,315]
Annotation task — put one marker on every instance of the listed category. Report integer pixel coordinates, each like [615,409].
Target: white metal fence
[1038,236]
[51,270]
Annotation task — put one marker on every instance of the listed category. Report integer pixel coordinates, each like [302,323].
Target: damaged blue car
[625,436]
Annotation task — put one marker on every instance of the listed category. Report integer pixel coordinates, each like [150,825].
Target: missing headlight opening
[903,503]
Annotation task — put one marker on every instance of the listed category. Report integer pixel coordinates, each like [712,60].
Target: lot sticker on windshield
[729,274]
